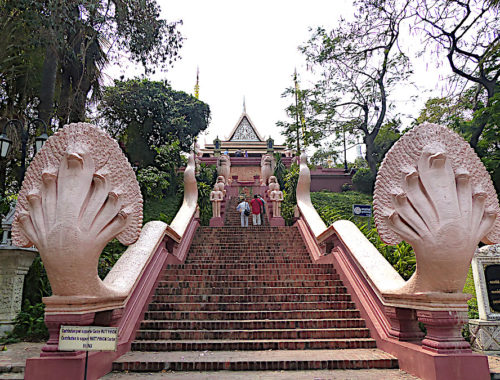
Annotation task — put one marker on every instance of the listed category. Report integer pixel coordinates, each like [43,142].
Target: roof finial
[244,105]
[197,85]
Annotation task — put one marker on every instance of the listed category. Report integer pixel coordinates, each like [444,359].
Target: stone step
[270,249]
[291,283]
[225,258]
[327,333]
[256,360]
[210,290]
[262,270]
[244,345]
[253,324]
[230,266]
[251,306]
[248,298]
[324,374]
[253,278]
[239,259]
[247,261]
[216,315]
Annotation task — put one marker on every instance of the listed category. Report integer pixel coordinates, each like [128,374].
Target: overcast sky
[248,49]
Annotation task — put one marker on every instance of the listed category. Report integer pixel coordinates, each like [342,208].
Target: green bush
[363,180]
[346,187]
[206,178]
[337,206]
[291,178]
[29,325]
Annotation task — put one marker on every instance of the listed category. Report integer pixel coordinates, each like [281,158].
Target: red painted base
[216,222]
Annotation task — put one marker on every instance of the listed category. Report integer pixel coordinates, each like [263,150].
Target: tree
[458,113]
[467,32]
[77,39]
[386,137]
[143,113]
[359,64]
[326,156]
[305,129]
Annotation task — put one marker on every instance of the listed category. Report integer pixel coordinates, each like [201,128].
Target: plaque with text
[492,276]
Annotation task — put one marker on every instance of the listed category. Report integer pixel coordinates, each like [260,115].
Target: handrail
[391,318]
[135,275]
[188,208]
[304,203]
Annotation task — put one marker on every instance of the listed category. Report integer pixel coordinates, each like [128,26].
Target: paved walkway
[13,359]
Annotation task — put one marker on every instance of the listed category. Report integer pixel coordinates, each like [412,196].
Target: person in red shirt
[256,205]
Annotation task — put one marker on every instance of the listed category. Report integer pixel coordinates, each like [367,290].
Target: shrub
[29,325]
[364,181]
[346,187]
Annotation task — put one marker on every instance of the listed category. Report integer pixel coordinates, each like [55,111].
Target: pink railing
[393,319]
[137,273]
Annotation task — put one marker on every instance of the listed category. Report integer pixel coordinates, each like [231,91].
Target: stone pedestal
[444,331]
[485,331]
[404,324]
[14,264]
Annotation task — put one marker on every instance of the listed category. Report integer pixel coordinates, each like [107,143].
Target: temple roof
[244,130]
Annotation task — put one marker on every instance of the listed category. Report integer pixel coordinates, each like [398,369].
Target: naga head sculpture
[79,193]
[433,192]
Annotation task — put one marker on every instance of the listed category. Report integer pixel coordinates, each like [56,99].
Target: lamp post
[6,143]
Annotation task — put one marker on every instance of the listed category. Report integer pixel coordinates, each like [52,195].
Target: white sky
[249,49]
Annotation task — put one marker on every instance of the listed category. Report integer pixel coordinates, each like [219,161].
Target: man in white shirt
[242,207]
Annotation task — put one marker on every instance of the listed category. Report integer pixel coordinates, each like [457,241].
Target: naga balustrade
[97,198]
[433,192]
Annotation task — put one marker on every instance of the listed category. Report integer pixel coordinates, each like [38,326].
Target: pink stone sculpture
[216,197]
[267,165]
[78,194]
[224,167]
[221,185]
[433,192]
[276,197]
[273,185]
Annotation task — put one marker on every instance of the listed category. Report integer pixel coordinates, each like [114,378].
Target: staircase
[249,299]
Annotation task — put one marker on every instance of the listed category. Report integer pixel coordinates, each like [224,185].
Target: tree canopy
[359,63]
[144,114]
[466,31]
[72,41]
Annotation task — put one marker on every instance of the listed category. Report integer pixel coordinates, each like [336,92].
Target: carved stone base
[54,322]
[404,324]
[444,331]
[485,336]
[14,264]
[216,222]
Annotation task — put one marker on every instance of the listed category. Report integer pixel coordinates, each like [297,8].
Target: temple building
[243,138]
[245,147]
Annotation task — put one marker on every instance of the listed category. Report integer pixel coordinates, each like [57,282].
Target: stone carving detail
[216,197]
[79,193]
[224,167]
[276,196]
[244,132]
[433,192]
[273,185]
[267,165]
[221,185]
[485,336]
